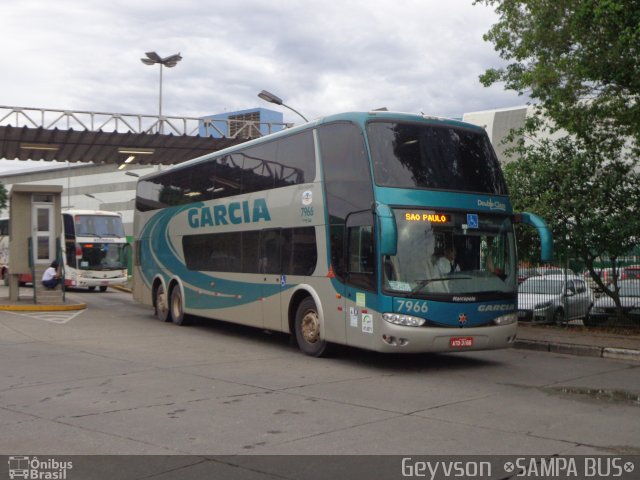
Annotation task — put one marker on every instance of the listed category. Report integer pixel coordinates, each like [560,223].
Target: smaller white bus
[95,249]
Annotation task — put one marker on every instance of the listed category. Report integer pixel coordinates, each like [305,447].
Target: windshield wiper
[423,283]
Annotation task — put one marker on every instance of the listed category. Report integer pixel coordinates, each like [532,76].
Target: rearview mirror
[388,230]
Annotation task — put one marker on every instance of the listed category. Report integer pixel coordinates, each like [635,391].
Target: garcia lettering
[234,213]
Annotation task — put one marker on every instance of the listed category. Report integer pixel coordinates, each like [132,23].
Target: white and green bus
[337,231]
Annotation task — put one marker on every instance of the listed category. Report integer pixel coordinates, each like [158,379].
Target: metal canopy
[25,143]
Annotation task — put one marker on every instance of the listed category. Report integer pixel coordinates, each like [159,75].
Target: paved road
[113,380]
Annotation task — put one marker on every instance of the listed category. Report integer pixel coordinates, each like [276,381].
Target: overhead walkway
[103,137]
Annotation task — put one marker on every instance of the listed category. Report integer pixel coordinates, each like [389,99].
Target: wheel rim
[310,327]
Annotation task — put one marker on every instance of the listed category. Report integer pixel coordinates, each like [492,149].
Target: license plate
[461,342]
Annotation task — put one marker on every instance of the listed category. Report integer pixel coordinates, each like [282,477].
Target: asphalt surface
[622,344]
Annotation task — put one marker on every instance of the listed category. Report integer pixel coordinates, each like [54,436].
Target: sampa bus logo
[36,469]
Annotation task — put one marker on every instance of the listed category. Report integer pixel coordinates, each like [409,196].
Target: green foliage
[588,194]
[579,58]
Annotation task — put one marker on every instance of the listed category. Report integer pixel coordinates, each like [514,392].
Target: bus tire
[177,307]
[307,329]
[92,289]
[103,288]
[161,304]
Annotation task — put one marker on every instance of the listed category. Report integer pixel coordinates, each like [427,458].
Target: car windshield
[451,253]
[542,286]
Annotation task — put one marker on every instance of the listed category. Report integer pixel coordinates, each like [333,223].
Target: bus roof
[74,211]
[357,117]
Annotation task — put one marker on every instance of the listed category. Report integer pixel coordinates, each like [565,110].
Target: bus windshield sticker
[367,323]
[400,286]
[361,299]
[353,317]
[307,197]
[472,220]
[283,280]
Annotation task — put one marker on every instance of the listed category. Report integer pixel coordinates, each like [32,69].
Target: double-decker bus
[95,249]
[384,231]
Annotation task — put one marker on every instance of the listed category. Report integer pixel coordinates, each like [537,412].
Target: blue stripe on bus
[230,293]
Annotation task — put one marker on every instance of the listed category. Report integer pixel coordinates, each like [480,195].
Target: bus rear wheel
[161,304]
[103,288]
[177,307]
[308,329]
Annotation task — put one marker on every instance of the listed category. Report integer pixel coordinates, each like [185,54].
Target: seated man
[447,262]
[50,277]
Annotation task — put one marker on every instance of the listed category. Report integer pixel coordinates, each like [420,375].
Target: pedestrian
[50,277]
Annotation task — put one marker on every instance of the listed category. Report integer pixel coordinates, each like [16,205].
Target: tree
[578,167]
[589,196]
[579,58]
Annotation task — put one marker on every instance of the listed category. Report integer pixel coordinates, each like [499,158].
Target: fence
[568,294]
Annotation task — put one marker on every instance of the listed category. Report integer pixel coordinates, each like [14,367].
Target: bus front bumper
[397,338]
[96,282]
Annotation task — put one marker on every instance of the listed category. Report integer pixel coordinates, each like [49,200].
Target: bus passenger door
[360,277]
[270,266]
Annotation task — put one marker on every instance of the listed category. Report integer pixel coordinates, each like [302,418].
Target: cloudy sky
[321,57]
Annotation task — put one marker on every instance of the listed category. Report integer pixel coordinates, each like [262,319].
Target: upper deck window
[444,157]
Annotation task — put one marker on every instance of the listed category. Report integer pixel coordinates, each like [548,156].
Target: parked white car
[554,299]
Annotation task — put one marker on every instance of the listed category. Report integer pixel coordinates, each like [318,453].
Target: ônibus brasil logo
[38,469]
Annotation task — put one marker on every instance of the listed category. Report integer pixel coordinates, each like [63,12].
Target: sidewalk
[622,344]
[25,302]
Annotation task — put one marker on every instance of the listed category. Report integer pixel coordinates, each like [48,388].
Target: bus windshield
[451,253]
[444,157]
[98,226]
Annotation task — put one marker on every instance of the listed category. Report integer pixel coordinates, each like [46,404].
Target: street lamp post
[271,98]
[171,61]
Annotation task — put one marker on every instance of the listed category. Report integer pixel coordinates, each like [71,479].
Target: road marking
[52,317]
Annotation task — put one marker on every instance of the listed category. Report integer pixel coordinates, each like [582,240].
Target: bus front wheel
[307,329]
[161,304]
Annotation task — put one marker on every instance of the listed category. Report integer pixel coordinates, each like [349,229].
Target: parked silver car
[604,309]
[554,299]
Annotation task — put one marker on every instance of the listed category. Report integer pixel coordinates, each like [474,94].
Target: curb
[42,308]
[579,350]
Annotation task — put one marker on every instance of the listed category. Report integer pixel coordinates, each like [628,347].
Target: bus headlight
[406,320]
[507,319]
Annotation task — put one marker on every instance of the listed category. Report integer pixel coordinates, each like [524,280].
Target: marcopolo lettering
[234,213]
